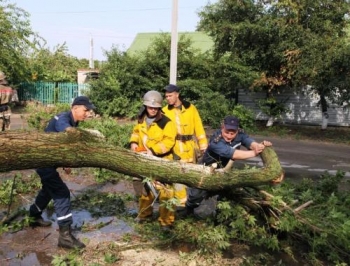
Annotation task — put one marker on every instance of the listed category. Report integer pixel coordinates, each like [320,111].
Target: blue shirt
[220,151]
[61,122]
[58,123]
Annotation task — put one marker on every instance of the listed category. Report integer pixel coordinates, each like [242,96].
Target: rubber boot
[39,221]
[67,240]
[185,212]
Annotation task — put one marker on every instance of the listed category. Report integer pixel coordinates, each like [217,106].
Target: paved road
[310,158]
[298,158]
[17,122]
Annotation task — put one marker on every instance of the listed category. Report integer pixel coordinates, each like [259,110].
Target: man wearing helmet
[154,134]
[7,95]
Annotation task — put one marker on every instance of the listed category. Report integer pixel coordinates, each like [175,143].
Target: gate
[50,92]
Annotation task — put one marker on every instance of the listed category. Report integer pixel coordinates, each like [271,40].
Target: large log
[21,149]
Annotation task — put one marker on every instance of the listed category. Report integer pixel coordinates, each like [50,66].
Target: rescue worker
[224,146]
[190,138]
[154,134]
[7,95]
[53,187]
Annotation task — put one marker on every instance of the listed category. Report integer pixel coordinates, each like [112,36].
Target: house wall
[303,106]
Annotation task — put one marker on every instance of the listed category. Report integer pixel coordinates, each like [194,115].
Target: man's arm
[254,150]
[199,130]
[243,155]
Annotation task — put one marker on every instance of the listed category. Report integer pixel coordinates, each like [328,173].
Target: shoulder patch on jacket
[163,121]
[186,104]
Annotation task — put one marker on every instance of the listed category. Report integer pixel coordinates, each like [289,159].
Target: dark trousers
[195,196]
[53,188]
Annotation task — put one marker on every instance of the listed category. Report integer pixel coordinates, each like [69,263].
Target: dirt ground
[38,246]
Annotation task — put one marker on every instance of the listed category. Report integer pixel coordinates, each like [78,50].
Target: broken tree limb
[21,149]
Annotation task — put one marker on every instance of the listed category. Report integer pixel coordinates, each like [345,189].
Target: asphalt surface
[302,158]
[299,158]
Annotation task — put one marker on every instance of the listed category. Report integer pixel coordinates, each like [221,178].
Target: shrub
[39,115]
[213,107]
[246,117]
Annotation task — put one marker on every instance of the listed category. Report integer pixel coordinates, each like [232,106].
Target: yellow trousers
[180,194]
[166,213]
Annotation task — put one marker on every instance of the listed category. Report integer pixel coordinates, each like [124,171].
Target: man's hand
[266,143]
[134,146]
[259,147]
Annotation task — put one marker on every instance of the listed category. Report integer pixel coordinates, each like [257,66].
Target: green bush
[213,107]
[116,134]
[39,115]
[246,117]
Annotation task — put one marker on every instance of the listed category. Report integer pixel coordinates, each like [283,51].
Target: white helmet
[153,99]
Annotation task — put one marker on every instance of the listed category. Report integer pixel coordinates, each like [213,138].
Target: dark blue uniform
[219,151]
[52,185]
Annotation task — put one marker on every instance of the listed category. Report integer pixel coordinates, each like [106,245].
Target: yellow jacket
[188,125]
[159,137]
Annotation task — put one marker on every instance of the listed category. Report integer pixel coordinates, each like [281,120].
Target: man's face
[80,113]
[228,134]
[172,97]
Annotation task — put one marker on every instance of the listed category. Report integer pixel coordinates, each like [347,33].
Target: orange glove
[140,149]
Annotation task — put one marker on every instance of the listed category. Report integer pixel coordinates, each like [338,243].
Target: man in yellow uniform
[7,95]
[190,135]
[154,134]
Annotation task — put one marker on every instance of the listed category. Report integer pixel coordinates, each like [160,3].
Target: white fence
[304,108]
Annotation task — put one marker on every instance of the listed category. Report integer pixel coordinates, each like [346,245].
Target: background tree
[24,55]
[54,66]
[284,41]
[125,78]
[17,41]
[118,90]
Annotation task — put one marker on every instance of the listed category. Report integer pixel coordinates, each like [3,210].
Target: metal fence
[50,92]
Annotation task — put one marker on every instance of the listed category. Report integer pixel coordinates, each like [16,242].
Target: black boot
[185,212]
[67,240]
[37,220]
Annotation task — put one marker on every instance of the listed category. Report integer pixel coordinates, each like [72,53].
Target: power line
[109,11]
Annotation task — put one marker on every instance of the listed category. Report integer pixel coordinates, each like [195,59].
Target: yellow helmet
[153,99]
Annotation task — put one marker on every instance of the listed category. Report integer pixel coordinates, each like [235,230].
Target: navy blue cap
[172,88]
[83,100]
[231,123]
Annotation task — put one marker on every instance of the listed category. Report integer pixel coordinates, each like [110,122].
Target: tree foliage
[125,78]
[24,55]
[290,44]
[18,40]
[54,66]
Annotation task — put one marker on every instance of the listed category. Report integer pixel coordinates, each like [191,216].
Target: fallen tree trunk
[77,148]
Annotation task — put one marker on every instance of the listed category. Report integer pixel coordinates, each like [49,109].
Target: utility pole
[91,61]
[173,51]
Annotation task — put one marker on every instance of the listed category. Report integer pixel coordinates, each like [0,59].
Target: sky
[107,22]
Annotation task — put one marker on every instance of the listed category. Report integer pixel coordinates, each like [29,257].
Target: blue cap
[83,100]
[231,123]
[172,88]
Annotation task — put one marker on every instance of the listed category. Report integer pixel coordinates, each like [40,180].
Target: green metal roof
[142,41]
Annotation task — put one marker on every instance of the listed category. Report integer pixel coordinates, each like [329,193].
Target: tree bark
[77,148]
